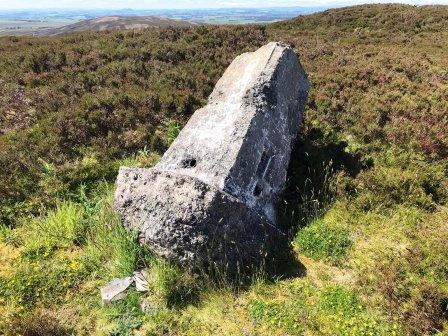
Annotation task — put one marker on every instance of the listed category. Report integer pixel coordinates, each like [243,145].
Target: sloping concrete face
[211,198]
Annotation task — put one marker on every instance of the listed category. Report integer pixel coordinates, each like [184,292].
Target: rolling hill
[366,205]
[115,23]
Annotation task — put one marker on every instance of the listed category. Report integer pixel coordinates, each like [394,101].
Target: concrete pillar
[211,199]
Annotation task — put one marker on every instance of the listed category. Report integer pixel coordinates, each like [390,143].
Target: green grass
[73,245]
[333,310]
[321,241]
[365,202]
[49,273]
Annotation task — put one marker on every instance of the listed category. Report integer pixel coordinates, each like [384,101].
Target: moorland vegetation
[365,203]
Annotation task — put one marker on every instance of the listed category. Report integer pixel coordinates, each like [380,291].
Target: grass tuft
[322,241]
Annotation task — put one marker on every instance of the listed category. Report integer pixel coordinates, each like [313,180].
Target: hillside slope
[366,200]
[115,23]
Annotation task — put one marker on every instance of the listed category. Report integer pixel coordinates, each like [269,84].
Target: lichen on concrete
[212,197]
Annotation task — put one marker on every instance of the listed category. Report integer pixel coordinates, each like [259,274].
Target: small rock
[141,281]
[115,290]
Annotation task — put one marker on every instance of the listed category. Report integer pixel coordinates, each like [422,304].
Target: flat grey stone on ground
[141,279]
[115,290]
[211,199]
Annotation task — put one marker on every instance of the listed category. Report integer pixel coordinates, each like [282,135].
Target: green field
[24,27]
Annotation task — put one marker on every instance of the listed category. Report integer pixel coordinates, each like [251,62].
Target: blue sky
[150,4]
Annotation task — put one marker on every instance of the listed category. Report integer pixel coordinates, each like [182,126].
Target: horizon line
[173,8]
[329,6]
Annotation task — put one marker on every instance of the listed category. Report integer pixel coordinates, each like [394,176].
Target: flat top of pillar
[246,70]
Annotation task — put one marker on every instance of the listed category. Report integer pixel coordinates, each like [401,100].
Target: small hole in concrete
[258,190]
[189,163]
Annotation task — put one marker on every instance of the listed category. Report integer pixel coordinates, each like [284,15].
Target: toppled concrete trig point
[211,199]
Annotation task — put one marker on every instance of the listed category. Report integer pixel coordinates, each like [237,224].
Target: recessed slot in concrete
[263,165]
[189,163]
[258,190]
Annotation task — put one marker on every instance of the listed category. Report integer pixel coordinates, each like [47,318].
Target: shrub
[99,96]
[419,304]
[402,179]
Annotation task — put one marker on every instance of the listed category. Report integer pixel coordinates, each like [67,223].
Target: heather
[366,198]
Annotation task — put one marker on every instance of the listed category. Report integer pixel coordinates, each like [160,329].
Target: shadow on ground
[310,188]
[310,191]
[308,194]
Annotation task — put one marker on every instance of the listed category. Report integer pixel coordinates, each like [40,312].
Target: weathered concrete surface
[211,198]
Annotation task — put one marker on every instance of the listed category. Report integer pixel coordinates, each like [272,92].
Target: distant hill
[28,22]
[116,23]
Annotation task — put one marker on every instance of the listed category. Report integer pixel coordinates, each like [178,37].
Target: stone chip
[115,290]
